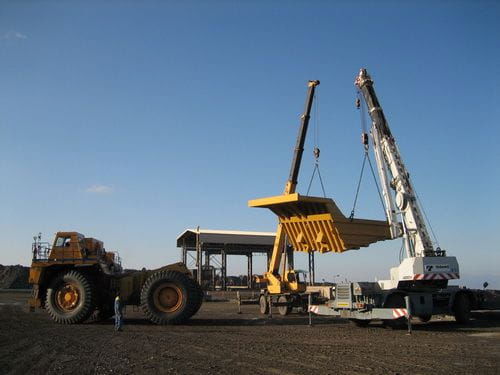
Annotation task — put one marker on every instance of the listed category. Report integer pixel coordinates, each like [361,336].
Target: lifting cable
[360,105]
[378,187]
[419,202]
[359,186]
[316,150]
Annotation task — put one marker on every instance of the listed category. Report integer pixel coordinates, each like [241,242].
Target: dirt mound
[14,277]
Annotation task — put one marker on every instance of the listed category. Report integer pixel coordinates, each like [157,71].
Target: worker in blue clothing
[118,313]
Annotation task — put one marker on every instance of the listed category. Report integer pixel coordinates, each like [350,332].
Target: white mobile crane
[419,285]
[423,266]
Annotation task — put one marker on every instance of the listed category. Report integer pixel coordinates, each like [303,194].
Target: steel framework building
[209,244]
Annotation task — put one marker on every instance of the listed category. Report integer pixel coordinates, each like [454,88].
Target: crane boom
[301,138]
[394,175]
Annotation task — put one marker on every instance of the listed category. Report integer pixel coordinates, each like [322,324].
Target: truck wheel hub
[67,297]
[168,297]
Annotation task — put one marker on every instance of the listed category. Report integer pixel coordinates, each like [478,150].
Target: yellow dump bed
[317,224]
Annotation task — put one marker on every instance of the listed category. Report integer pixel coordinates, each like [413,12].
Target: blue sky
[130,122]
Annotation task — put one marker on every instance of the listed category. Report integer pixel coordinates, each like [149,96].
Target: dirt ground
[219,341]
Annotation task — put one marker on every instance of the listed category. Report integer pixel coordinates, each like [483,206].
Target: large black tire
[263,305]
[70,298]
[198,297]
[395,300]
[284,310]
[461,308]
[170,297]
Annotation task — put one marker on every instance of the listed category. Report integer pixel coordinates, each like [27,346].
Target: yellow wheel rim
[167,297]
[67,297]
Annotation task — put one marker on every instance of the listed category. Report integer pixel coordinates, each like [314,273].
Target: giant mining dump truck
[76,279]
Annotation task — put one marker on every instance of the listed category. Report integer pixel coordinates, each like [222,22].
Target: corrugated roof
[226,237]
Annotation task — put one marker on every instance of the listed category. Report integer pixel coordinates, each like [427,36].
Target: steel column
[199,257]
[184,253]
[312,271]
[250,271]
[223,268]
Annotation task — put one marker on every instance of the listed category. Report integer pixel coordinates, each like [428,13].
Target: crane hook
[364,140]
[316,152]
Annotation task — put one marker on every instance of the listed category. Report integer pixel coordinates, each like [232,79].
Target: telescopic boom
[394,176]
[299,148]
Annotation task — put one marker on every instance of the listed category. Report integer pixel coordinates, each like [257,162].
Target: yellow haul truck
[76,279]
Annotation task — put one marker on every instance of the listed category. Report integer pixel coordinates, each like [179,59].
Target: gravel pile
[14,277]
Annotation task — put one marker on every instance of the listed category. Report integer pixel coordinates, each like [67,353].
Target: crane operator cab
[296,279]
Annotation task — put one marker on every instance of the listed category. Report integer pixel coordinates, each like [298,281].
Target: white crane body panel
[421,268]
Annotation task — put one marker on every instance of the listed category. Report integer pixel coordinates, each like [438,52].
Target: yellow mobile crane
[309,224]
[290,281]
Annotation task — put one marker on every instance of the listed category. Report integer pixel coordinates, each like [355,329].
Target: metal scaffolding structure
[213,247]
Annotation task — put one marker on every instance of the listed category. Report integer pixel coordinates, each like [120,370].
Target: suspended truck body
[76,279]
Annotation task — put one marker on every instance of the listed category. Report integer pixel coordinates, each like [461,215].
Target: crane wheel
[170,297]
[461,308]
[395,300]
[284,310]
[263,305]
[70,298]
